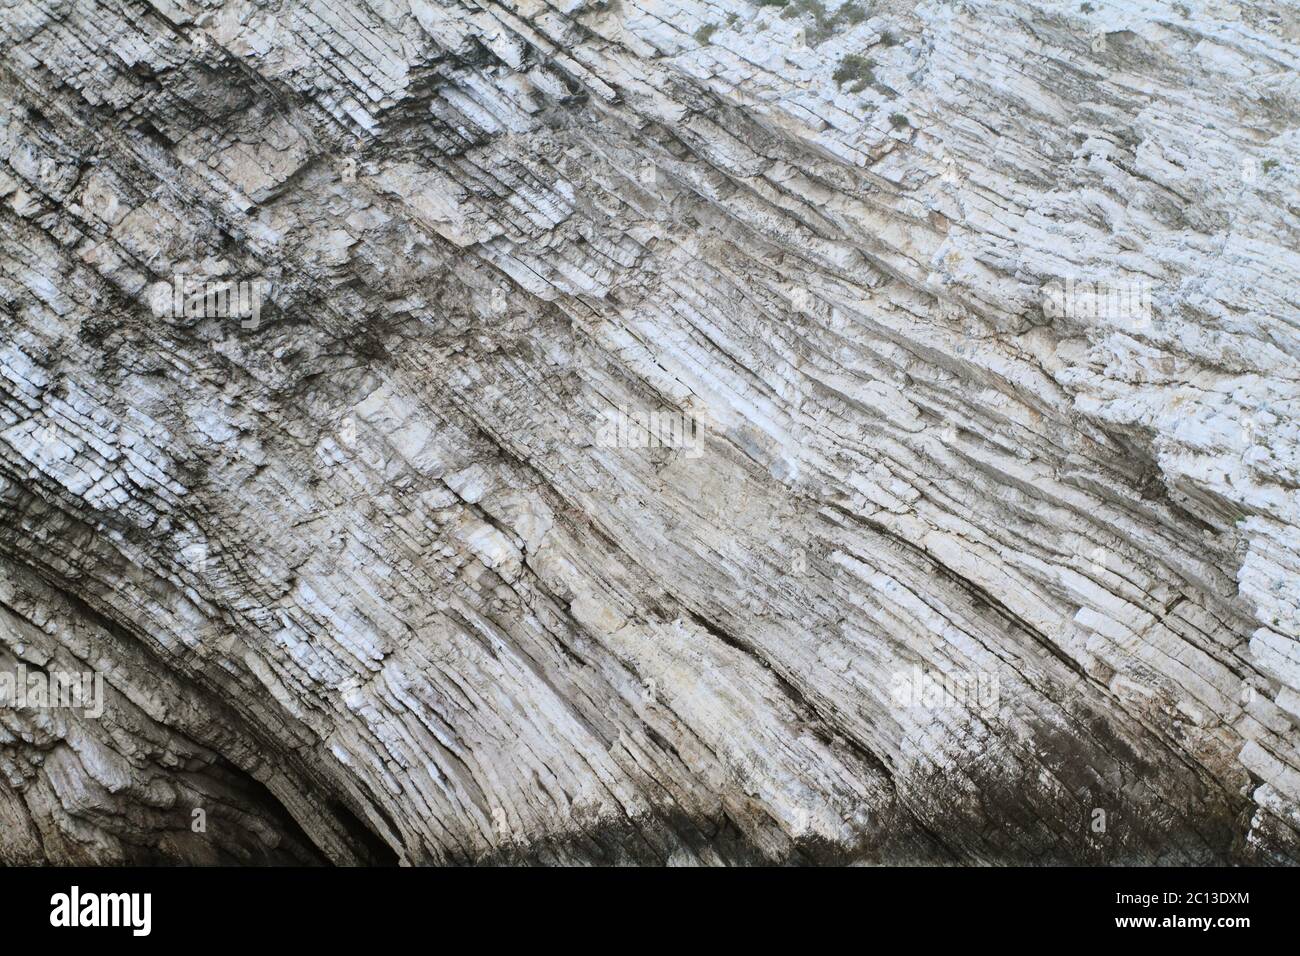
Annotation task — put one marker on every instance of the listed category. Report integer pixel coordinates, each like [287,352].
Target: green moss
[899,121]
[1269,165]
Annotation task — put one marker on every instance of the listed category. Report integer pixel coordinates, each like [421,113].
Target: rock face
[470,432]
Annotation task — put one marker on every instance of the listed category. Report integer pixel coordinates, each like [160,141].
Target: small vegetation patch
[857,71]
[852,14]
[797,8]
[704,35]
[899,121]
[824,23]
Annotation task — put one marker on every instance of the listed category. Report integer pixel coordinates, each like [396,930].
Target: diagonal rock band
[613,432]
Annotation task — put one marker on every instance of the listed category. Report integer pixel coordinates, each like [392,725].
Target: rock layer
[646,436]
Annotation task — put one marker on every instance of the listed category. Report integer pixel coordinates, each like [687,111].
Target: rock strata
[658,431]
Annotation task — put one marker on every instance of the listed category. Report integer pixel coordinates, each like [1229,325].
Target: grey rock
[650,432]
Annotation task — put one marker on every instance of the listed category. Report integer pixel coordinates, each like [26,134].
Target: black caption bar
[138,907]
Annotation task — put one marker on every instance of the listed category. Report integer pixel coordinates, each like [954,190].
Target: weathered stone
[674,432]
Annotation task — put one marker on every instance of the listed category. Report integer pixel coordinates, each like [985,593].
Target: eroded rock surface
[922,564]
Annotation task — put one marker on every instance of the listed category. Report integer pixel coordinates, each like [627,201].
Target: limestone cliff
[456,431]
